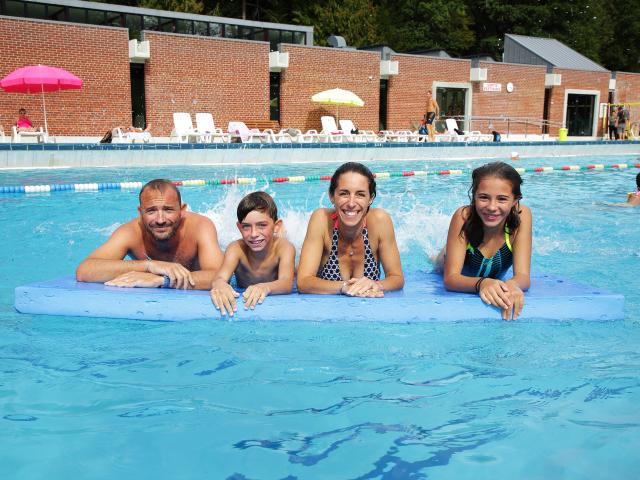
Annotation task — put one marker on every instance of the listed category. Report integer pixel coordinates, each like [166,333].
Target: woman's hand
[362,287]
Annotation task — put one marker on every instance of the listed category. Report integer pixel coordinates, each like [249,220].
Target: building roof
[550,51]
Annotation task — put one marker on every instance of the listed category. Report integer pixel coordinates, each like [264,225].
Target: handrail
[526,121]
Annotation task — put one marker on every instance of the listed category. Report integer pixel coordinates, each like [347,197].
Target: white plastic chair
[246,134]
[330,129]
[183,128]
[473,136]
[118,136]
[206,127]
[40,135]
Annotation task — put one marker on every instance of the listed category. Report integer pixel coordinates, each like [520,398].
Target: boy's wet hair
[259,201]
[638,181]
[472,228]
[161,185]
[357,168]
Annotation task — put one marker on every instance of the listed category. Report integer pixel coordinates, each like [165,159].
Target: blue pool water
[105,398]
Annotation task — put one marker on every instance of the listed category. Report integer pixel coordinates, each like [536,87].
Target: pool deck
[74,155]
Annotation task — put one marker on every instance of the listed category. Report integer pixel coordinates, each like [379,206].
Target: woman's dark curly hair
[472,229]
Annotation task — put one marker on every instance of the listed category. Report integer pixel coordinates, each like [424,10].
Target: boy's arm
[223,296]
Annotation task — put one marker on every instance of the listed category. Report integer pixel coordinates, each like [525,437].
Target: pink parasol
[40,79]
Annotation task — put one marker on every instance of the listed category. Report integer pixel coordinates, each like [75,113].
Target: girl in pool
[487,237]
[345,245]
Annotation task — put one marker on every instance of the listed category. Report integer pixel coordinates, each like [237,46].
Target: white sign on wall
[491,87]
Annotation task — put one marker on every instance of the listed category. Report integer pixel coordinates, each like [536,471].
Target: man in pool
[169,247]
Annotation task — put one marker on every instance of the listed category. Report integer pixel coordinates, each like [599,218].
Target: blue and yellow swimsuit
[476,265]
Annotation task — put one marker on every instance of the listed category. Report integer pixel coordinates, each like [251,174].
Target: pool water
[103,398]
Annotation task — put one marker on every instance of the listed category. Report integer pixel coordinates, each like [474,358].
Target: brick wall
[627,87]
[407,95]
[98,55]
[526,101]
[578,80]
[314,69]
[227,78]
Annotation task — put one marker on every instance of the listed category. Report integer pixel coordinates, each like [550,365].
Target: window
[274,39]
[299,38]
[14,8]
[77,15]
[95,17]
[215,30]
[55,12]
[184,26]
[201,28]
[36,10]
[134,24]
[287,36]
[274,96]
[113,20]
[150,23]
[231,31]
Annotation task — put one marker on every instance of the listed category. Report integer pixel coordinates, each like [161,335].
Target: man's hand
[136,279]
[179,275]
[224,297]
[255,294]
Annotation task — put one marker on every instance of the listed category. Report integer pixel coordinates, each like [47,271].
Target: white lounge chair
[331,130]
[240,131]
[183,128]
[206,127]
[40,135]
[118,136]
[473,136]
[347,127]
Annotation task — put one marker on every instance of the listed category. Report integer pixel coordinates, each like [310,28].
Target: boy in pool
[262,262]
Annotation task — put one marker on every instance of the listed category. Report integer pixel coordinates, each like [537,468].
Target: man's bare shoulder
[196,223]
[130,230]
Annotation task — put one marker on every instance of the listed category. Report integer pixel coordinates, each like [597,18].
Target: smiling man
[169,247]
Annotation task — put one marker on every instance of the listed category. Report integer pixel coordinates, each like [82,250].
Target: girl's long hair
[473,228]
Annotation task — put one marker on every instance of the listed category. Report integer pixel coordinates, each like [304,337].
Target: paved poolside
[59,155]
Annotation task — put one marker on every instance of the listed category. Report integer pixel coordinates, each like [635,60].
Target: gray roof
[545,51]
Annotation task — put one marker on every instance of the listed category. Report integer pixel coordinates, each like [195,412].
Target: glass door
[452,105]
[580,111]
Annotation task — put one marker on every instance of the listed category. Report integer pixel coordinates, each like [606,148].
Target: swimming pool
[100,398]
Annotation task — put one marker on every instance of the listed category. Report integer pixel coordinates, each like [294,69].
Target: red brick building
[144,70]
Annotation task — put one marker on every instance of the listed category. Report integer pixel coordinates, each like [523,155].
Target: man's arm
[210,256]
[106,262]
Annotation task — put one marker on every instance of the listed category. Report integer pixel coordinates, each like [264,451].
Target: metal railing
[486,124]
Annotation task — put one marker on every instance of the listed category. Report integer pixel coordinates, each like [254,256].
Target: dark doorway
[138,110]
[545,111]
[580,111]
[382,112]
[274,96]
[452,102]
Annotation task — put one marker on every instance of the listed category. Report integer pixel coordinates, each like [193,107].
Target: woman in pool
[487,237]
[345,245]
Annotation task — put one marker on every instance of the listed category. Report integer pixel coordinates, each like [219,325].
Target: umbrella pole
[44,107]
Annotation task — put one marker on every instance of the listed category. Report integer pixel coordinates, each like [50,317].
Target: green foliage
[606,32]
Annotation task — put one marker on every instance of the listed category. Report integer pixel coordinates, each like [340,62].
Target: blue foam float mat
[423,299]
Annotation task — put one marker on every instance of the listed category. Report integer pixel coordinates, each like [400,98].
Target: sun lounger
[210,133]
[17,136]
[331,130]
[240,131]
[118,136]
[473,136]
[183,128]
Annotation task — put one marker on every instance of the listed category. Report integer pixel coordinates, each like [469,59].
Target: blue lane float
[423,299]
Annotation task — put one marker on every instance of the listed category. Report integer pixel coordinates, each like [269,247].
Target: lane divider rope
[94,187]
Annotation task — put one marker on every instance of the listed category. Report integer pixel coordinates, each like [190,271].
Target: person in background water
[633,198]
[23,124]
[169,247]
[487,237]
[345,245]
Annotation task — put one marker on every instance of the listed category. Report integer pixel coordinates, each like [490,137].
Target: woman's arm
[311,256]
[388,253]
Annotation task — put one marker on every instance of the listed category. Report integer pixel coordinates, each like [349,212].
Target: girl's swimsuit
[476,265]
[331,269]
